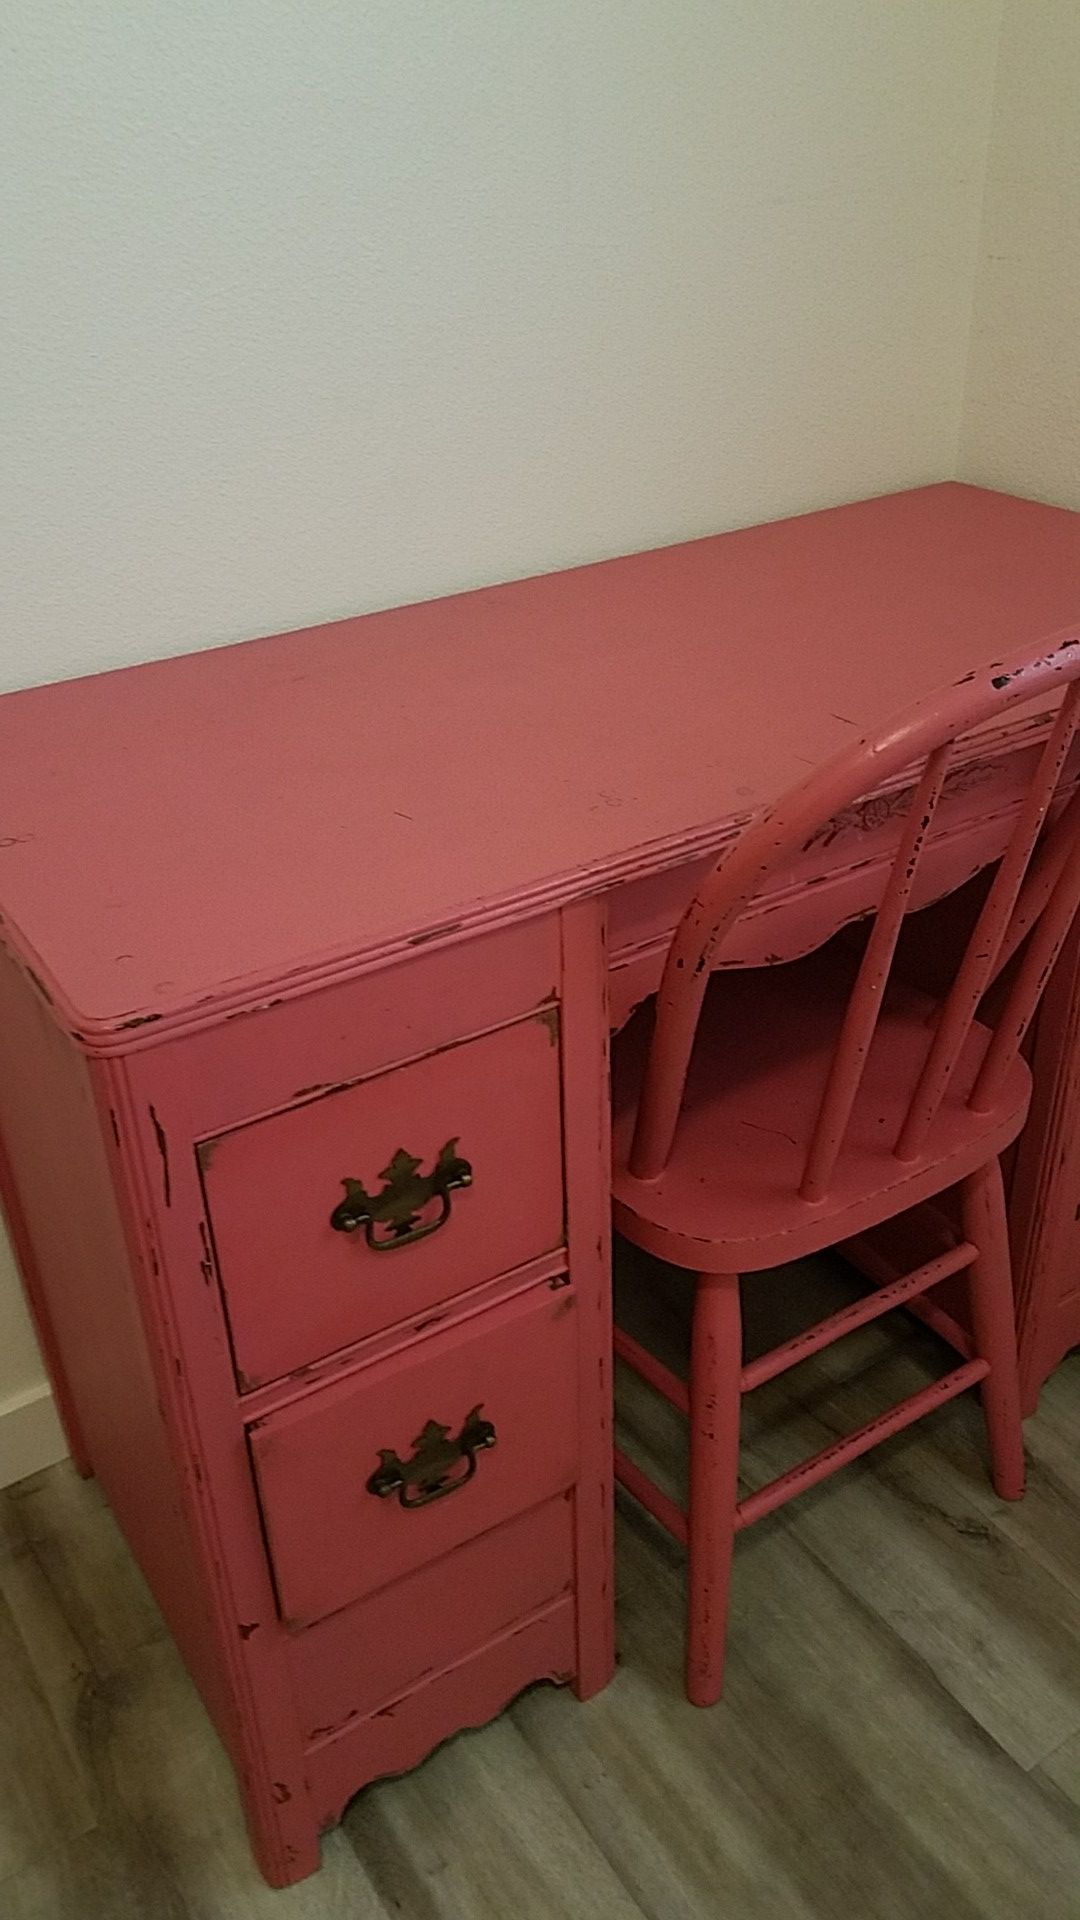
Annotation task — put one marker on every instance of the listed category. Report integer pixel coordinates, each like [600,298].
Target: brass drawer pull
[398,1209]
[431,1471]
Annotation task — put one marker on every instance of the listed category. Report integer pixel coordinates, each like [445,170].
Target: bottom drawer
[370,1653]
[403,1732]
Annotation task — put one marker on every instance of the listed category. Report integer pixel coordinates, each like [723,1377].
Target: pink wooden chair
[795,1107]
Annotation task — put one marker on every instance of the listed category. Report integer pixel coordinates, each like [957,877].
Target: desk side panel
[60,1200]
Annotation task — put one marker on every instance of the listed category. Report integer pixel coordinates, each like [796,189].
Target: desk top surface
[201,829]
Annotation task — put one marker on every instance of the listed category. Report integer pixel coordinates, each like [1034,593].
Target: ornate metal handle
[432,1472]
[398,1209]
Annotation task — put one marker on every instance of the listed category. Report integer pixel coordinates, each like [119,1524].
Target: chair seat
[728,1199]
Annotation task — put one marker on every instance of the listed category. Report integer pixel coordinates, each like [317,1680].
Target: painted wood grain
[661,685]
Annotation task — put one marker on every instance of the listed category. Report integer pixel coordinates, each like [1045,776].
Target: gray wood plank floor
[900,1734]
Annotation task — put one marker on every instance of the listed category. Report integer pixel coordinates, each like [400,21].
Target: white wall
[1021,421]
[326,306]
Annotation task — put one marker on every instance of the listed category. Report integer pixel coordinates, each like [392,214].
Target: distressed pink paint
[202,1473]
[512,1212]
[235,823]
[272,911]
[780,1111]
[330,1541]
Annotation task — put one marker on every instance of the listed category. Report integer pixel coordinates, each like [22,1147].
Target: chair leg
[715,1369]
[994,1325]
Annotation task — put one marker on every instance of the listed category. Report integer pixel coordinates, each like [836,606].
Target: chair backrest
[1030,900]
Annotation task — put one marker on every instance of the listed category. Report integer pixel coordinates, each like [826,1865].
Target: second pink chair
[793,1108]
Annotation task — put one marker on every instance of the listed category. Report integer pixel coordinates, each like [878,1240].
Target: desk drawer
[402,1461]
[366,1654]
[298,1288]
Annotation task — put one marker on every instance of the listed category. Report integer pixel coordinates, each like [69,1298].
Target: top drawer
[296,1288]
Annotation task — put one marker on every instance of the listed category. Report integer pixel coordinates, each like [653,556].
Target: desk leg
[586,1133]
[1044,1206]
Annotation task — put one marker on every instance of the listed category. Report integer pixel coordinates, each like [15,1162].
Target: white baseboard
[31,1436]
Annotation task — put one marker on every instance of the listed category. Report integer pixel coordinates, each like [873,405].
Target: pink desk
[272,912]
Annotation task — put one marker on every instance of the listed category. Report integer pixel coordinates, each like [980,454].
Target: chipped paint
[163,1150]
[432,1320]
[436,933]
[206,1264]
[549,1018]
[878,809]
